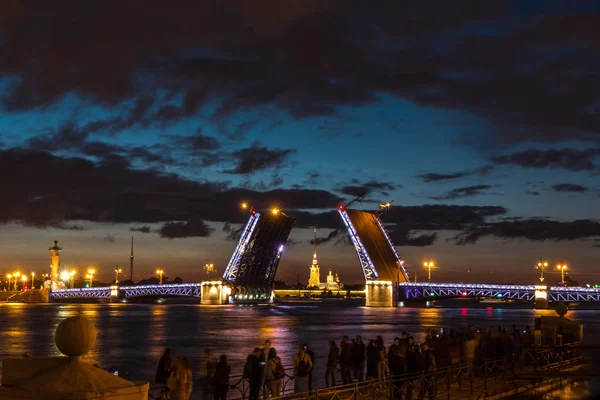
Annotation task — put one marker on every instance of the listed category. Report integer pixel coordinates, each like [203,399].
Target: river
[132,337]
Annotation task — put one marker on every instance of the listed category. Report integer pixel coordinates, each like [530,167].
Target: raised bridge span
[251,270]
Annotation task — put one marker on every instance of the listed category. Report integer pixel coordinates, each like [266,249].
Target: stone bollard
[67,377]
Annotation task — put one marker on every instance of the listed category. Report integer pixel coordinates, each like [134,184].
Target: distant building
[314,280]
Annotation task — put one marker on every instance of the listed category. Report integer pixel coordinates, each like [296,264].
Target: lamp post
[160,273]
[24,279]
[9,278]
[17,275]
[90,275]
[72,275]
[429,264]
[117,272]
[562,268]
[33,280]
[209,268]
[541,266]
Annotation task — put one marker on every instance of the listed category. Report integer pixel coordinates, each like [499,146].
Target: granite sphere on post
[75,336]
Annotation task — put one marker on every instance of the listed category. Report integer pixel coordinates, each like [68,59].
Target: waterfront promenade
[493,379]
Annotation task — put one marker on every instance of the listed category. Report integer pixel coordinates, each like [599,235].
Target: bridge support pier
[214,293]
[541,298]
[379,294]
[114,294]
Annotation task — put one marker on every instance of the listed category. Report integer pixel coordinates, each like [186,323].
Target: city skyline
[481,124]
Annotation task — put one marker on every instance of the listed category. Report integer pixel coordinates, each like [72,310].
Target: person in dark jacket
[310,355]
[221,378]
[164,371]
[358,358]
[253,373]
[345,360]
[332,360]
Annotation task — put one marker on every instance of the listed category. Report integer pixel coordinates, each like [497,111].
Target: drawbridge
[252,267]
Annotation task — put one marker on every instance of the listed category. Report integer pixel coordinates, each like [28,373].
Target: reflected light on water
[132,337]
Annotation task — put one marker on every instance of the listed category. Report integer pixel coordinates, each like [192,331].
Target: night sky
[480,120]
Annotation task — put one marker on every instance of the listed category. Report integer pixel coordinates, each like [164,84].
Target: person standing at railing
[253,373]
[516,350]
[181,381]
[359,351]
[429,369]
[302,365]
[164,370]
[275,373]
[221,378]
[332,361]
[382,362]
[208,375]
[345,360]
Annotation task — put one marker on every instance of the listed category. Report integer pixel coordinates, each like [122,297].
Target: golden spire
[315,247]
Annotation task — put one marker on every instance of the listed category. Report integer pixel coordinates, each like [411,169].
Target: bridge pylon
[381,264]
[252,267]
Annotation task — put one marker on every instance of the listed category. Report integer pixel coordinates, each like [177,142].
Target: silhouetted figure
[221,378]
[164,370]
[253,373]
[180,382]
[332,360]
[302,366]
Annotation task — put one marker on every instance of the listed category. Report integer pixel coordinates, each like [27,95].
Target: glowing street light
[72,275]
[562,268]
[160,273]
[244,206]
[9,277]
[429,264]
[209,268]
[16,275]
[275,211]
[64,276]
[90,275]
[24,279]
[117,272]
[541,266]
[32,280]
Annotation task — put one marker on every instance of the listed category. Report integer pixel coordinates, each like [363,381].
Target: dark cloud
[570,159]
[532,192]
[195,143]
[437,177]
[310,57]
[112,191]
[532,229]
[569,187]
[110,238]
[468,191]
[257,158]
[355,188]
[142,229]
[331,236]
[195,227]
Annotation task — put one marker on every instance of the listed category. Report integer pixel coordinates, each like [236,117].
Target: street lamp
[429,264]
[209,268]
[72,275]
[24,279]
[275,211]
[160,273]
[90,275]
[541,266]
[32,280]
[64,276]
[562,268]
[9,277]
[16,275]
[117,272]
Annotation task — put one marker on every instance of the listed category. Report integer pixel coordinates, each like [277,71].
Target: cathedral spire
[315,247]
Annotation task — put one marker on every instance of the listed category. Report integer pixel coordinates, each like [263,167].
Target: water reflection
[134,335]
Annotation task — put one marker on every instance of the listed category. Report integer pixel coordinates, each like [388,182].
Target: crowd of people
[353,359]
